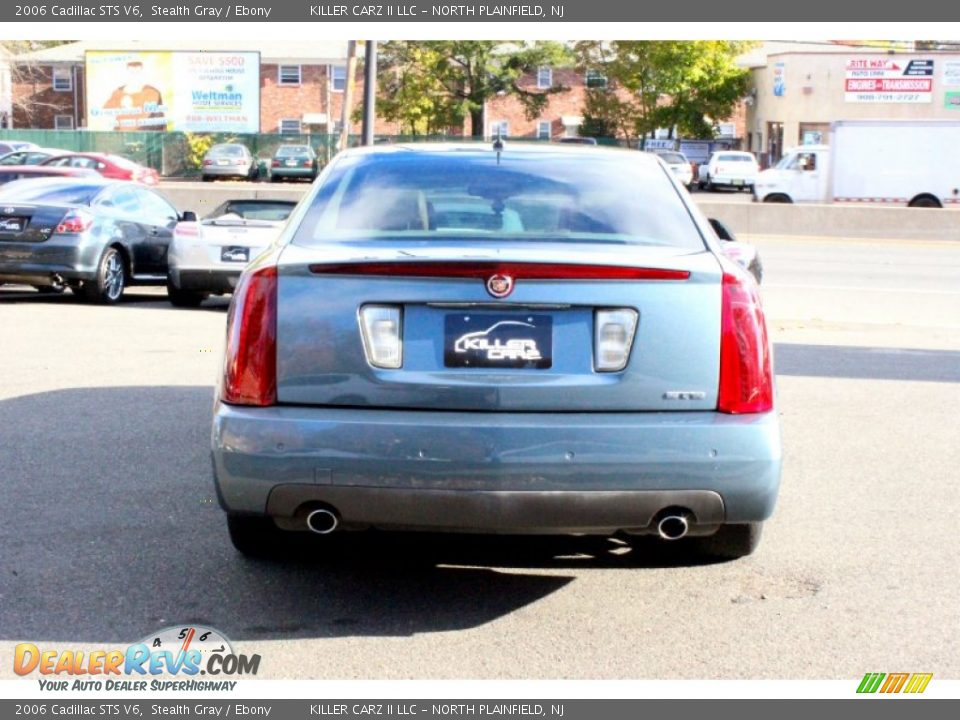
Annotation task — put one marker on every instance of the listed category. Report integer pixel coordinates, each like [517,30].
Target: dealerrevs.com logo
[171,659]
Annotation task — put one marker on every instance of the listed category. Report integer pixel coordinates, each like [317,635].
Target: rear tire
[924,201]
[108,286]
[731,541]
[184,298]
[777,198]
[254,535]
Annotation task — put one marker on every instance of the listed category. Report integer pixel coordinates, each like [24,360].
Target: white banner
[888,80]
[187,91]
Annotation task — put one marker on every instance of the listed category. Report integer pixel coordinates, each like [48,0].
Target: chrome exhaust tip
[673,527]
[322,521]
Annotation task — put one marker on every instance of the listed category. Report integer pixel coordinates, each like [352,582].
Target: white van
[897,162]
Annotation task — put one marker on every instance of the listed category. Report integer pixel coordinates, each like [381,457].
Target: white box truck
[897,162]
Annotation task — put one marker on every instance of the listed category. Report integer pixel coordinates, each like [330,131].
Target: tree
[429,85]
[23,71]
[663,83]
[410,92]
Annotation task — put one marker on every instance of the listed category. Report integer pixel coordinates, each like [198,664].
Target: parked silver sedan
[529,339]
[229,160]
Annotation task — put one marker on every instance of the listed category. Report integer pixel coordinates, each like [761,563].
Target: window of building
[544,77]
[288,74]
[63,122]
[595,79]
[544,129]
[499,128]
[339,78]
[290,126]
[62,79]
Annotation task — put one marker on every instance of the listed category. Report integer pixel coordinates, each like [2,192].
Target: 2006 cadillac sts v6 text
[519,339]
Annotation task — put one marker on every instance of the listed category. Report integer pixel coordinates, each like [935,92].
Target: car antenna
[498,144]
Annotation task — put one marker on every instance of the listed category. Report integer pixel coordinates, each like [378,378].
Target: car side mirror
[722,231]
[188,216]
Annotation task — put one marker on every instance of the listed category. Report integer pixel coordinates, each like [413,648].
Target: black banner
[578,11]
[207,709]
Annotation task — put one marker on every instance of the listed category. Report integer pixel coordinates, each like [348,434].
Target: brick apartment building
[301,90]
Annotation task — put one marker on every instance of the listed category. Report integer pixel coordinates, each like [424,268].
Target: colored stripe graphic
[894,683]
[918,682]
[870,682]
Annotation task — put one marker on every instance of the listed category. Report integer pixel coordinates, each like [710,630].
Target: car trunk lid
[673,364]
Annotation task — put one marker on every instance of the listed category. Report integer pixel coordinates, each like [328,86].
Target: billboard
[888,80]
[161,90]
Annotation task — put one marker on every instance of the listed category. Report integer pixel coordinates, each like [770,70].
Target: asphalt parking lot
[110,530]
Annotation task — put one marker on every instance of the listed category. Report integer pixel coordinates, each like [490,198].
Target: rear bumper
[219,280]
[226,171]
[293,172]
[496,472]
[733,181]
[72,257]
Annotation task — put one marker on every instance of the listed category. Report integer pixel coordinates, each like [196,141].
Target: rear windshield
[56,192]
[673,158]
[734,158]
[226,150]
[274,210]
[576,197]
[288,150]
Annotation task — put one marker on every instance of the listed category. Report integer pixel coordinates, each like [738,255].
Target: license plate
[291,163]
[235,254]
[12,224]
[498,341]
[738,182]
[223,162]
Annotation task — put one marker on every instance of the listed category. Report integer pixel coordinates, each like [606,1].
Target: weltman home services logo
[177,658]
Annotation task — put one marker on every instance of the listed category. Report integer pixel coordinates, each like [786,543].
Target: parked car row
[106,164]
[98,236]
[234,160]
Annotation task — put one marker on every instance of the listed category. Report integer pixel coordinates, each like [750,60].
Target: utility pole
[369,91]
[348,93]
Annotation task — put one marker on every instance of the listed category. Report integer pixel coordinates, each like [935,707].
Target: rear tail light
[250,365]
[187,229]
[746,374]
[207,162]
[380,326]
[75,221]
[275,163]
[307,163]
[613,337]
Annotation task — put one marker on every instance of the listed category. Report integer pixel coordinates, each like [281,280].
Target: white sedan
[207,256]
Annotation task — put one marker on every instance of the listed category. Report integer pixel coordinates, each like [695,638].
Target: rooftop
[313,52]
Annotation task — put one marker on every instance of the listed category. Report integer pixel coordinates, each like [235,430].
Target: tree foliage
[428,86]
[687,85]
[25,71]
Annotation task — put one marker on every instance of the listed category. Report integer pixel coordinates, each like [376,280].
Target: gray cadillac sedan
[519,339]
